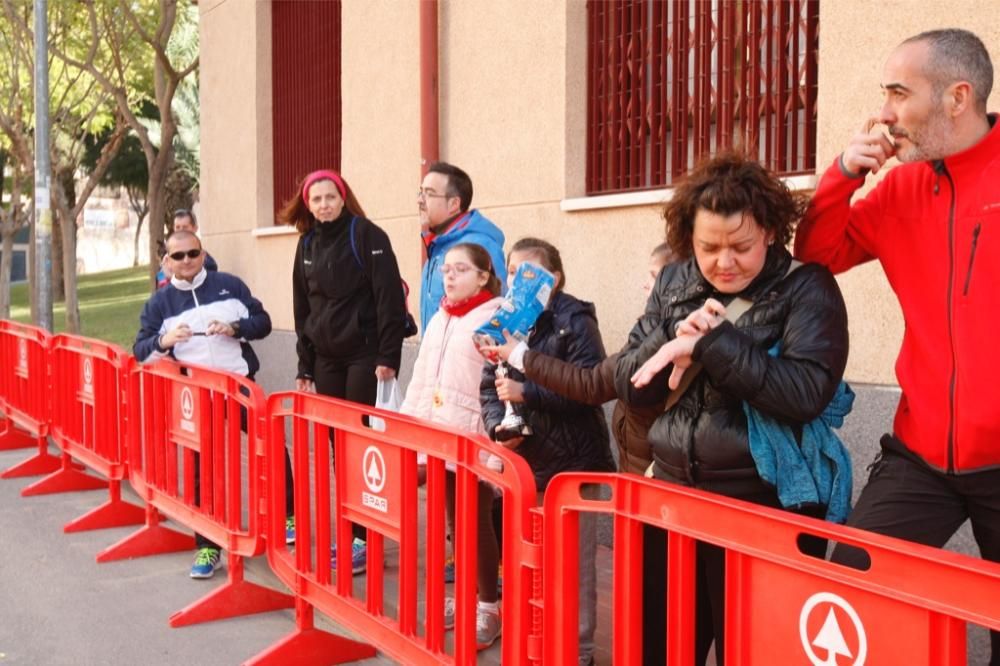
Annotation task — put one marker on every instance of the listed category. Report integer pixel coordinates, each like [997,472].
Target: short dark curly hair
[728,183]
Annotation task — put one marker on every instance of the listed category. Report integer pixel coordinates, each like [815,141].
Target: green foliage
[183,48]
[129,167]
[110,304]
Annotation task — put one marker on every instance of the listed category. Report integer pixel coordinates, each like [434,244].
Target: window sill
[657,197]
[277,230]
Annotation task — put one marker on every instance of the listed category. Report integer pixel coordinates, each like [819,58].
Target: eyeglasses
[190,254]
[458,269]
[426,194]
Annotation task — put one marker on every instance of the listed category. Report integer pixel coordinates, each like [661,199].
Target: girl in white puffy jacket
[445,389]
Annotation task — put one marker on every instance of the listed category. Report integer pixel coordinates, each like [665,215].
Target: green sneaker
[206,562]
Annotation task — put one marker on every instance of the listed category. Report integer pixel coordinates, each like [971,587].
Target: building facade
[532,97]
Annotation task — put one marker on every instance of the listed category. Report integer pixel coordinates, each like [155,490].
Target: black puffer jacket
[568,435]
[703,438]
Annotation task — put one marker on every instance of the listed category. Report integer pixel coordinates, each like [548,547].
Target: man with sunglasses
[205,318]
[184,220]
[445,220]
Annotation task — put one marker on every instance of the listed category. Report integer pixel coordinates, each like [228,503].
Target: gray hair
[958,55]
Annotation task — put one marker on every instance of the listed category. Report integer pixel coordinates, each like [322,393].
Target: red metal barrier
[24,396]
[88,400]
[185,429]
[782,607]
[374,484]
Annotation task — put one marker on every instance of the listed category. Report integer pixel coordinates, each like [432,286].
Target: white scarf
[184,285]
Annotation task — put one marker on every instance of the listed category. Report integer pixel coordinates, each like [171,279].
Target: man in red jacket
[934,224]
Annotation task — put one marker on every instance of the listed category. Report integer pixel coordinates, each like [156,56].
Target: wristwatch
[235,325]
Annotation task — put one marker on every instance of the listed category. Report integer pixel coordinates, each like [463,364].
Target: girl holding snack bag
[566,435]
[445,389]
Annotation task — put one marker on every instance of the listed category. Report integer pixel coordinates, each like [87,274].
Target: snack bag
[520,309]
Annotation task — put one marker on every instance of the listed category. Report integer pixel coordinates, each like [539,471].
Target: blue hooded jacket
[471,228]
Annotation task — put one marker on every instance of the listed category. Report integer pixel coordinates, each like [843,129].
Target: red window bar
[670,81]
[305,85]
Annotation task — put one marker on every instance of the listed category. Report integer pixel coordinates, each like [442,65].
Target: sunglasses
[190,254]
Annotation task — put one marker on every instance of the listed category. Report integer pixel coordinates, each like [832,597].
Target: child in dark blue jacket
[566,435]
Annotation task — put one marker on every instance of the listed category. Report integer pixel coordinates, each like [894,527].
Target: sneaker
[206,562]
[487,627]
[359,556]
[290,530]
[449,570]
[449,613]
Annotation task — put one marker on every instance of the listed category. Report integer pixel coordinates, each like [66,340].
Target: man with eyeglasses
[205,318]
[445,220]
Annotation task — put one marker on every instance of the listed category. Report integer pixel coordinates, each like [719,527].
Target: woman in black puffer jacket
[566,435]
[729,222]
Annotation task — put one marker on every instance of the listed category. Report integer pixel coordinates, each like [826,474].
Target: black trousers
[907,499]
[352,379]
[710,583]
[199,540]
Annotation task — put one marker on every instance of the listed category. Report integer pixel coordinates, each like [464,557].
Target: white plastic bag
[387,397]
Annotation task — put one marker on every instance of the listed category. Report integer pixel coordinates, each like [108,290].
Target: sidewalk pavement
[58,607]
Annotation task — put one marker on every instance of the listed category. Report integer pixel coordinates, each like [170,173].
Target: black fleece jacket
[348,300]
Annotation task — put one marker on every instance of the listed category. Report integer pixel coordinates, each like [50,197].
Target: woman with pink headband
[350,312]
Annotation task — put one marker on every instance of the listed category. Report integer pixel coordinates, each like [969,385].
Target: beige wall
[512,114]
[855,39]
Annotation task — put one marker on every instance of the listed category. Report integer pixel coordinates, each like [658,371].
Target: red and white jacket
[935,227]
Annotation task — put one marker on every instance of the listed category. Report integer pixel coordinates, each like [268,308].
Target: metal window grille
[671,81]
[306,104]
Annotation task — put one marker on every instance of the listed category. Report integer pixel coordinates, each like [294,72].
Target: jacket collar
[691,285]
[184,285]
[458,222]
[975,157]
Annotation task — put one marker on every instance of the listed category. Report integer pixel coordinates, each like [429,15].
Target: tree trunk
[158,171]
[32,282]
[6,266]
[7,252]
[135,242]
[141,210]
[69,276]
[58,288]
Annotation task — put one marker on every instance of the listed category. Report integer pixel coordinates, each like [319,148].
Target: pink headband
[323,174]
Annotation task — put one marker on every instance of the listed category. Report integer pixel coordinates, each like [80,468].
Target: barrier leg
[307,645]
[42,462]
[235,598]
[11,438]
[64,480]
[113,513]
[152,539]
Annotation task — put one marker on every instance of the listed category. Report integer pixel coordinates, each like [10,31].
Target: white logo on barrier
[830,638]
[22,354]
[88,375]
[373,469]
[187,410]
